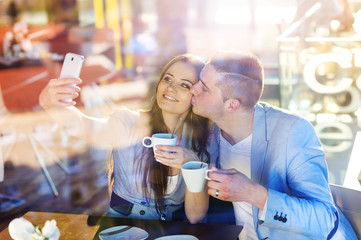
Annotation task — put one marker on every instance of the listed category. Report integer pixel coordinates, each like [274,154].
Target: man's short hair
[241,76]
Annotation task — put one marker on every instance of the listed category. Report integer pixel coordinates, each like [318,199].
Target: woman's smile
[172,99]
[173,93]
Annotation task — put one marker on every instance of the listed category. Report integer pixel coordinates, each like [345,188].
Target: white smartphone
[71,67]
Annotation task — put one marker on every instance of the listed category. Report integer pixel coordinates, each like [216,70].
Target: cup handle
[206,174]
[145,145]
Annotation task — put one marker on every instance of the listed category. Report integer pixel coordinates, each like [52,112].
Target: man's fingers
[214,185]
[214,192]
[221,175]
[226,171]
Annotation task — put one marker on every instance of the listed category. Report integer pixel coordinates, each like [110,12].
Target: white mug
[160,139]
[195,174]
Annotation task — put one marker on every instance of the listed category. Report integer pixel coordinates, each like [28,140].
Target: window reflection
[313,68]
[319,74]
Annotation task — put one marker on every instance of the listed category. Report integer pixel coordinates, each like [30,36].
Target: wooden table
[77,226]
[71,226]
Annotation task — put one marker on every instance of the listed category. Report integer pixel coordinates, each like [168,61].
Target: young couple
[269,162]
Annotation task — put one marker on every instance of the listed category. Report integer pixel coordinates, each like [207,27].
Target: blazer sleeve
[307,206]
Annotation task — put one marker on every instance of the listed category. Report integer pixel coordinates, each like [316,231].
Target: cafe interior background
[310,50]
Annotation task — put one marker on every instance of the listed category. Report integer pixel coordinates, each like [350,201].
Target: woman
[143,187]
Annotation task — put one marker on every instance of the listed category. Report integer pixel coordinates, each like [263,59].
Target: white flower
[22,229]
[50,230]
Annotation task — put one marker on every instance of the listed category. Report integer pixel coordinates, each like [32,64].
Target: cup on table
[160,139]
[195,174]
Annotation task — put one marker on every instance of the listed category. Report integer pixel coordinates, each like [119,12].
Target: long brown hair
[156,174]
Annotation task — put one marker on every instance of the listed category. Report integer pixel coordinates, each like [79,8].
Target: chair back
[348,201]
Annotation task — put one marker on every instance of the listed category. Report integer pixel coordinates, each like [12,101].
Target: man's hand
[231,185]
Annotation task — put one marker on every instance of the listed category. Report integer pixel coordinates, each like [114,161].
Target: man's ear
[232,105]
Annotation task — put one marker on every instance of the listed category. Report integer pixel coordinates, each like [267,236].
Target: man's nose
[194,88]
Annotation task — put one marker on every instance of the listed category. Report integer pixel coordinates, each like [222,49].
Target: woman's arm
[196,205]
[53,98]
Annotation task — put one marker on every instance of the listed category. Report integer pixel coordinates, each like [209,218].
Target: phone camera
[72,58]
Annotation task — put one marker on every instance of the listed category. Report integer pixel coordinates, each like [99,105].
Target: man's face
[207,100]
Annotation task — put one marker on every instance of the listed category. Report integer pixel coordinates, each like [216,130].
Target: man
[271,164]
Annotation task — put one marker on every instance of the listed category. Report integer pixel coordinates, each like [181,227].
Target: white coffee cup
[160,139]
[195,174]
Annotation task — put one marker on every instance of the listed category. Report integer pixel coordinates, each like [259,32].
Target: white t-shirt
[238,156]
[172,184]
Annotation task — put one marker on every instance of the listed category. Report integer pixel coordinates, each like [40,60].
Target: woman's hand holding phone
[62,91]
[58,92]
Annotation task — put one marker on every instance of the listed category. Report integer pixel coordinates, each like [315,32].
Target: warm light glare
[192,14]
[332,107]
[271,15]
[311,117]
[263,15]
[326,118]
[345,118]
[357,22]
[335,24]
[233,15]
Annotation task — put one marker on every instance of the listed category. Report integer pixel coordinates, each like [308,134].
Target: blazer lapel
[258,150]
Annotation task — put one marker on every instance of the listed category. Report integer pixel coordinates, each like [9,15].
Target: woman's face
[173,95]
